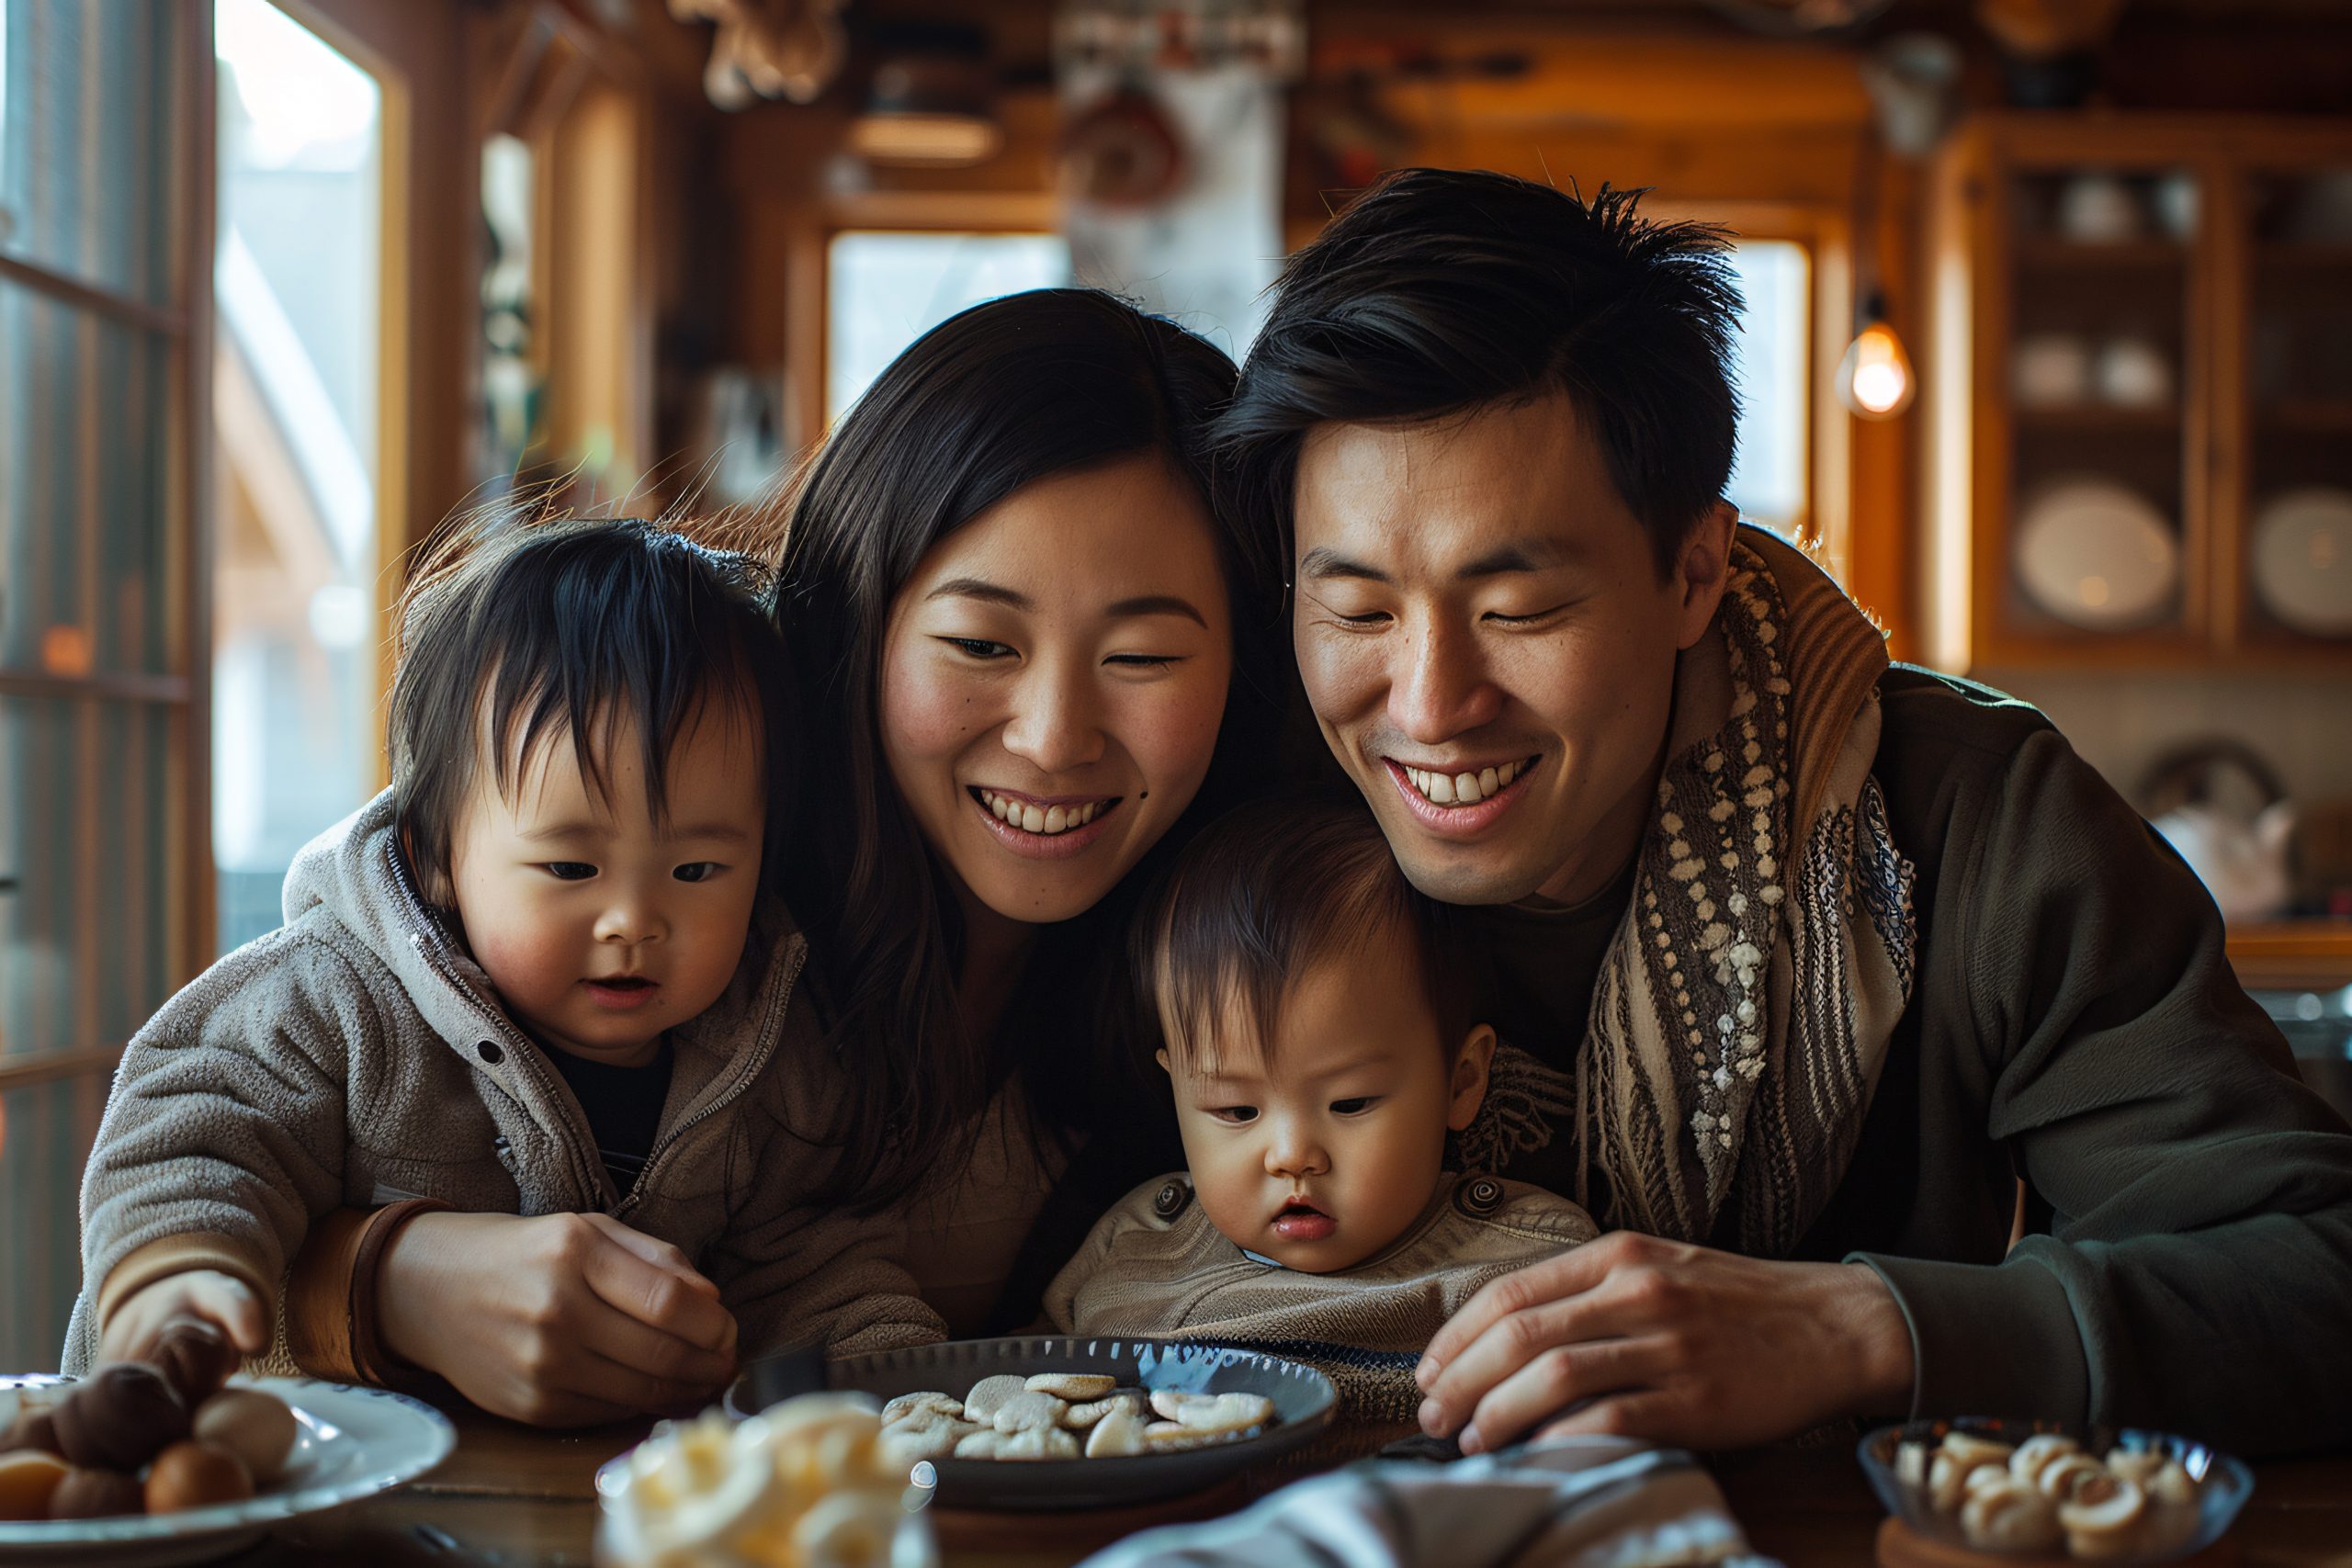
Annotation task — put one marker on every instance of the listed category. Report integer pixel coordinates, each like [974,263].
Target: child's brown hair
[1269,890]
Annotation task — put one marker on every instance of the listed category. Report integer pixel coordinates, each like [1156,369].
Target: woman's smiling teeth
[1030,817]
[1463,789]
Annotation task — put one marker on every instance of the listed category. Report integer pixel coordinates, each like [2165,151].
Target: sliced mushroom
[2172,1484]
[2037,1452]
[1911,1465]
[2136,1464]
[2009,1515]
[2103,1518]
[1972,1450]
[2064,1475]
[1947,1481]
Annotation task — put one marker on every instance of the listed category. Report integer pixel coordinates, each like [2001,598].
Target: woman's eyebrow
[981,589]
[1157,605]
[1124,609]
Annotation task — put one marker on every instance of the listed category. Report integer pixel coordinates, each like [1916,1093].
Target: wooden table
[515,1496]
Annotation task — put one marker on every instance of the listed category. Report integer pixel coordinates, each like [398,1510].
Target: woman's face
[1053,676]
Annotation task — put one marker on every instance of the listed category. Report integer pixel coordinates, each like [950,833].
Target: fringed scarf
[1743,1010]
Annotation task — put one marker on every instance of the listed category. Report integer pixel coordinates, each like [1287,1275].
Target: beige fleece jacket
[357,1056]
[1154,1266]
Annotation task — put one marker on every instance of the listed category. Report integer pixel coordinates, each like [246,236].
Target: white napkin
[1569,1503]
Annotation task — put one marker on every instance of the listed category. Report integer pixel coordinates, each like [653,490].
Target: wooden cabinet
[2138,393]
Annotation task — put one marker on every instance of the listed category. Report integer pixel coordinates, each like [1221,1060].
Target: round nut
[256,1426]
[95,1494]
[194,1357]
[193,1475]
[28,1478]
[119,1417]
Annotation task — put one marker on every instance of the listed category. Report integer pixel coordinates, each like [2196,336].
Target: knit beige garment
[1154,1265]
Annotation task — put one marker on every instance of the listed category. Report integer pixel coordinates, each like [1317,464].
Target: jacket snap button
[1480,1196]
[1170,1200]
[488,1051]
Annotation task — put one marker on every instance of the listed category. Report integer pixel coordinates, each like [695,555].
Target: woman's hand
[1683,1345]
[221,1300]
[563,1320]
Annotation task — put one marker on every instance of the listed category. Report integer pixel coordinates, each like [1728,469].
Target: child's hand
[563,1320]
[221,1300]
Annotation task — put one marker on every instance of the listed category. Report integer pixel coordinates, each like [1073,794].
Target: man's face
[1488,646]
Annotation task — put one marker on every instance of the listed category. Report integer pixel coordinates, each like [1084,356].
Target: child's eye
[1356,1106]
[569,870]
[1234,1115]
[978,646]
[1144,661]
[698,871]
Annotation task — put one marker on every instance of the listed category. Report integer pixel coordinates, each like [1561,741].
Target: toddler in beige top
[1318,1022]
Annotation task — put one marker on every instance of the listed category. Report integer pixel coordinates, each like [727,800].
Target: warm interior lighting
[1875,376]
[936,140]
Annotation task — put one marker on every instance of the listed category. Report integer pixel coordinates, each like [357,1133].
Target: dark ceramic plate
[1303,1401]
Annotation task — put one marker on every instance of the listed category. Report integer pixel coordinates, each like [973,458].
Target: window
[1770,359]
[886,288]
[295,736]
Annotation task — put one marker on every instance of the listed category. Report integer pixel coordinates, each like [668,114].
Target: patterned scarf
[1743,1009]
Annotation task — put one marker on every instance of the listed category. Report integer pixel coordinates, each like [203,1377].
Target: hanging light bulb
[1875,376]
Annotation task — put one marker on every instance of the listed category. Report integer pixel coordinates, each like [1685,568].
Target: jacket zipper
[747,1070]
[594,1181]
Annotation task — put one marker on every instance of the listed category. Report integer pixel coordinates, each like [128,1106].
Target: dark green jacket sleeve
[2197,1271]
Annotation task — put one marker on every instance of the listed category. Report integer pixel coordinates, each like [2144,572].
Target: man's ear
[1701,568]
[1468,1091]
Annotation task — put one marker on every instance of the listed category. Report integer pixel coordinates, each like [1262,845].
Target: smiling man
[1806,960]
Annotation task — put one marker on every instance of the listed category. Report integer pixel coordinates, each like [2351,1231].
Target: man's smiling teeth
[1463,789]
[1029,819]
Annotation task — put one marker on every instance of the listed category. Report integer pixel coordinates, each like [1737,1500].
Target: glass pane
[43,1130]
[2101,346]
[294,379]
[1769,358]
[87,871]
[886,289]
[86,157]
[83,414]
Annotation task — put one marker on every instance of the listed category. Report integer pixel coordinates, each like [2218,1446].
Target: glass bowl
[2223,1484]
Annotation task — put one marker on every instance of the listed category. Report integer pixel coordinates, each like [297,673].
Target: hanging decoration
[768,48]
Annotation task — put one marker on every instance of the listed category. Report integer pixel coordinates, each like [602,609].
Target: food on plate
[2027,1499]
[27,1477]
[194,1357]
[124,1441]
[190,1474]
[117,1418]
[257,1427]
[1061,1415]
[95,1494]
[801,1485]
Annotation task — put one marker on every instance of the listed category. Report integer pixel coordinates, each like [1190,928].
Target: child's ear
[1470,1068]
[1161,1056]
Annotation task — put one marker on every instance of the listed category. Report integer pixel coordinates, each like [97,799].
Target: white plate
[2303,559]
[2095,555]
[349,1443]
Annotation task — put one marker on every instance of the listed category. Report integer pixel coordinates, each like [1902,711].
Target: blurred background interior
[2049,350]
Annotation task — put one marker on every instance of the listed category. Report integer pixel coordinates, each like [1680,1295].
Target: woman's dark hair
[1439,291]
[1261,895]
[520,631]
[995,398]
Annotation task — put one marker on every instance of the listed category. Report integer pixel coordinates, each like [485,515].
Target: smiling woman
[1035,656]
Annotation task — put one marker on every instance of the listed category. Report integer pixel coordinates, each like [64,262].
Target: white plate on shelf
[349,1443]
[2096,553]
[2301,562]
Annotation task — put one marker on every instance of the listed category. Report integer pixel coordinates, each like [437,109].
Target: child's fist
[149,1323]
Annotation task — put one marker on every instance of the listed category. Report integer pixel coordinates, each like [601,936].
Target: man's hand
[222,1299]
[563,1320]
[1649,1338]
